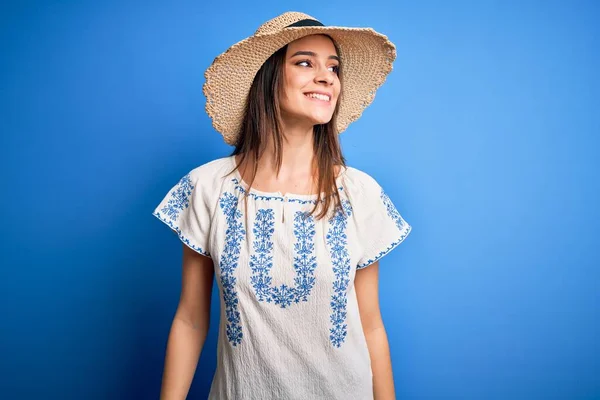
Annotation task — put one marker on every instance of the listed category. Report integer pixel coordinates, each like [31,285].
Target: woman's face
[311,85]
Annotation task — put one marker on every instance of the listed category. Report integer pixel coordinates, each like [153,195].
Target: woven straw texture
[366,60]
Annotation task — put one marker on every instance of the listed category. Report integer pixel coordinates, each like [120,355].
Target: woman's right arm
[189,327]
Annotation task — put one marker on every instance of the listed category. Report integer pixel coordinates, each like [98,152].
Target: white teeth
[318,96]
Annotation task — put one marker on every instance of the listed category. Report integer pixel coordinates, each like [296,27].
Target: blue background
[485,136]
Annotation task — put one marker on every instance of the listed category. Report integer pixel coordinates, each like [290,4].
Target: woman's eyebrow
[313,54]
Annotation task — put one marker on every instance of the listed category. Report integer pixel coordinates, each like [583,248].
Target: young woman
[285,226]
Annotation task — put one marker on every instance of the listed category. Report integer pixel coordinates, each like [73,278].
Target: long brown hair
[262,120]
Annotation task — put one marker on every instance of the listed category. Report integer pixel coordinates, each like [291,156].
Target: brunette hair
[262,119]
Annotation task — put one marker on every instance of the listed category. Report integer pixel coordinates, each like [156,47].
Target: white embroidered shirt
[289,325]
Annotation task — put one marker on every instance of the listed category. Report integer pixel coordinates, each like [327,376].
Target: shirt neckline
[278,194]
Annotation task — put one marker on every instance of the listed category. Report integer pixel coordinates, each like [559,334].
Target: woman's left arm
[367,292]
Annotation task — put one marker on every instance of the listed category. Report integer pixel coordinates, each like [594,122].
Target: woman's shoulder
[359,181]
[210,167]
[213,170]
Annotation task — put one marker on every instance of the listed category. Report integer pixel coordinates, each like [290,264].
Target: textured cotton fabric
[290,326]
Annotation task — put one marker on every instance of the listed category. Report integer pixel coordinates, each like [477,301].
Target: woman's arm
[189,327]
[367,292]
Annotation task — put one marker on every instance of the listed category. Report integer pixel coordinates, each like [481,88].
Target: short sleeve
[380,226]
[184,209]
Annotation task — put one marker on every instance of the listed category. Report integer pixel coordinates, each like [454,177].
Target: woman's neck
[297,156]
[297,150]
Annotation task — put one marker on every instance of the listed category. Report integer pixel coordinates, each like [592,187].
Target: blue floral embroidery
[229,261]
[179,200]
[404,228]
[255,196]
[305,260]
[391,210]
[337,242]
[261,261]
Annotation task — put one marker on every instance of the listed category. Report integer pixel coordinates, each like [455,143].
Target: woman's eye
[306,63]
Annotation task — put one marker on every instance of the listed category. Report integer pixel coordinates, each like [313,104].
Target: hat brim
[366,58]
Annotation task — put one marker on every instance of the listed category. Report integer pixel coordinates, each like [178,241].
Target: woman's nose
[324,77]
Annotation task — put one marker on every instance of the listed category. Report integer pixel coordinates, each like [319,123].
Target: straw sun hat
[366,59]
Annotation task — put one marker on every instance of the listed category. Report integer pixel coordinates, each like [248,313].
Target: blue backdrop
[485,136]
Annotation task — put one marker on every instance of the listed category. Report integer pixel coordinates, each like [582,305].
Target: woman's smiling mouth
[318,96]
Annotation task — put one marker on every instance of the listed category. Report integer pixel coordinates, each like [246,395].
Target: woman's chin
[321,120]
